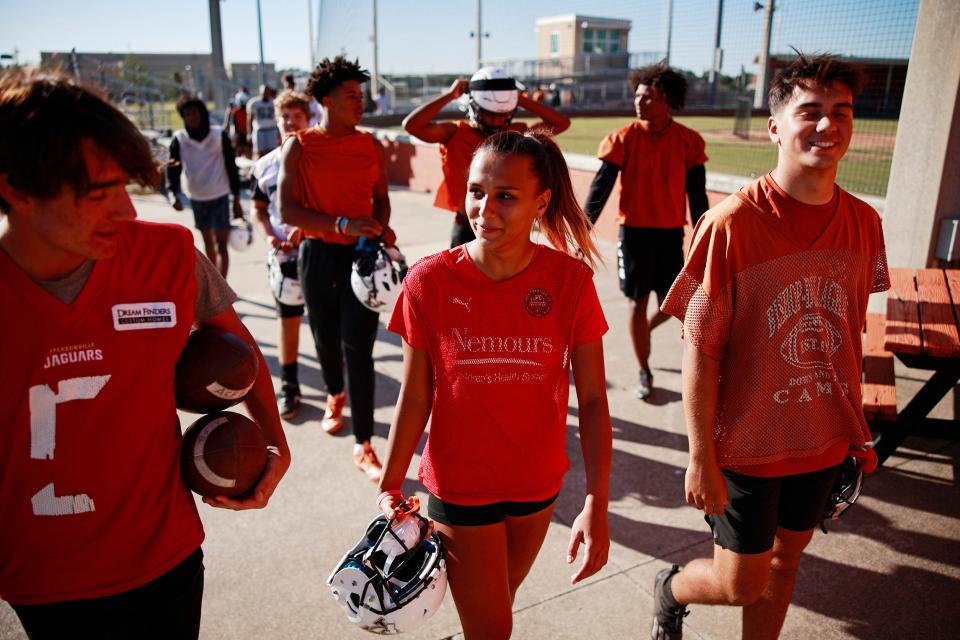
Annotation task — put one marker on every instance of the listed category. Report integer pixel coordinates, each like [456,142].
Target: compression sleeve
[600,190]
[696,186]
[174,169]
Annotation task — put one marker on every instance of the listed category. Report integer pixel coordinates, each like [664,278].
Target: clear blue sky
[418,36]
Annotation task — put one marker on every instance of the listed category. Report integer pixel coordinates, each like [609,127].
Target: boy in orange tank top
[773,298]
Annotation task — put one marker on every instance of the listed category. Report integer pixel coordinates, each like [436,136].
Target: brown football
[223,454]
[215,370]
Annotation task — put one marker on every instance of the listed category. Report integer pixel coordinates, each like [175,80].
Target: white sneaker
[645,385]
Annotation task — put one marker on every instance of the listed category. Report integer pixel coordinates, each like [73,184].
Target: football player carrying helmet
[849,483]
[395,578]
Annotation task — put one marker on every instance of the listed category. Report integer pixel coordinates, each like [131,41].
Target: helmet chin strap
[475,115]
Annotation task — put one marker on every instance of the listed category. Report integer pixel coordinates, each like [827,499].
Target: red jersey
[338,174]
[455,157]
[653,172]
[783,315]
[501,359]
[91,499]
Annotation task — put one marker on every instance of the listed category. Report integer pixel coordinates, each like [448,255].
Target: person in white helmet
[493,99]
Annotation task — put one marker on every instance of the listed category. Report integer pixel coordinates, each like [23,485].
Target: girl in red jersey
[490,330]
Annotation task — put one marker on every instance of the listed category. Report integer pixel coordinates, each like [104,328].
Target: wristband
[396,493]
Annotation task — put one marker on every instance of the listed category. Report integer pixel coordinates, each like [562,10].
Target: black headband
[497,84]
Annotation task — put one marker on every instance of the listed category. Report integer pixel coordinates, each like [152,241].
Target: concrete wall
[924,182]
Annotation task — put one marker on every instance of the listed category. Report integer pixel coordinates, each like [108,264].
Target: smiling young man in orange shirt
[773,298]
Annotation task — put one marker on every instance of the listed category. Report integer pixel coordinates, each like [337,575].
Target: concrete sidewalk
[889,569]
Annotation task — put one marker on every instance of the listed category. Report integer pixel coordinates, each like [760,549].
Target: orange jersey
[455,157]
[91,499]
[337,175]
[653,172]
[783,316]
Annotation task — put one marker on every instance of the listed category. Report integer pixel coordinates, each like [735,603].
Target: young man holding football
[100,538]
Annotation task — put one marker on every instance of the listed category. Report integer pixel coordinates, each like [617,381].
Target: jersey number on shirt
[43,439]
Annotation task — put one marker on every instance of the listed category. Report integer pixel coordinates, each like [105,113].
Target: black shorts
[648,260]
[758,506]
[458,515]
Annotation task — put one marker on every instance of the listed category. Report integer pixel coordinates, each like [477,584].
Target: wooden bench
[879,384]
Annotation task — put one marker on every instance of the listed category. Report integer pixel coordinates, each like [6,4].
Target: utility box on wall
[948,243]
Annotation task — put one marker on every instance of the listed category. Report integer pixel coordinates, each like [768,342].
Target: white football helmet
[241,238]
[394,579]
[378,272]
[283,277]
[491,89]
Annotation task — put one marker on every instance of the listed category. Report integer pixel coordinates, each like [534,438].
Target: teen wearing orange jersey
[662,164]
[333,186]
[773,299]
[100,538]
[493,100]
[490,330]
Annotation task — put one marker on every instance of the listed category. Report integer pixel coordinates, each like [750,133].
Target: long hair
[564,223]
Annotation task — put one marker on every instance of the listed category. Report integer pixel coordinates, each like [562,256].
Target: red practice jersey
[783,313]
[91,499]
[500,354]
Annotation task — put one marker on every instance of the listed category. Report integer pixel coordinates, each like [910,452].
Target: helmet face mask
[849,482]
[394,578]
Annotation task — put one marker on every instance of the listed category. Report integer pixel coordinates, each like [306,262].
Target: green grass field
[865,169]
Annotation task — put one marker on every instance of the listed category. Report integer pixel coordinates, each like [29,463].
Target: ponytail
[564,223]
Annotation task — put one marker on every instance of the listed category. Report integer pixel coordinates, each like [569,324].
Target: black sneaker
[289,402]
[667,620]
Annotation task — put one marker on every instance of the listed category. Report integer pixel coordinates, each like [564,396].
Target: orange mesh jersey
[783,315]
[653,174]
[455,157]
[338,174]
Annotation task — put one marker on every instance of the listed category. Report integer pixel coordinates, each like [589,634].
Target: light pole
[479,35]
[717,56]
[763,81]
[263,76]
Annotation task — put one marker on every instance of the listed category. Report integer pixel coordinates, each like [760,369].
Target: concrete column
[924,181]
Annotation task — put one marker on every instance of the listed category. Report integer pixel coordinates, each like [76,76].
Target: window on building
[555,42]
[601,41]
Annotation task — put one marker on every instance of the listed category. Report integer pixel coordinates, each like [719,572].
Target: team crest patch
[538,302]
[144,315]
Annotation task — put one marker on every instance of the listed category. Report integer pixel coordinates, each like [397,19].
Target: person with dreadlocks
[202,154]
[492,102]
[333,186]
[662,163]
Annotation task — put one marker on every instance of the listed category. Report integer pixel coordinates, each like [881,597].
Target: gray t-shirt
[214,295]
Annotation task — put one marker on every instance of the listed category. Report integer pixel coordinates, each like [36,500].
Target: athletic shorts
[648,260]
[758,506]
[211,214]
[458,515]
